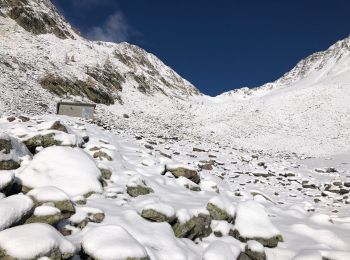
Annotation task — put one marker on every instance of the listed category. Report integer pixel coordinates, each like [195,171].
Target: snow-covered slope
[159,199]
[305,111]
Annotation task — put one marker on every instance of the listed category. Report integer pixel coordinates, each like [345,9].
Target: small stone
[138,190]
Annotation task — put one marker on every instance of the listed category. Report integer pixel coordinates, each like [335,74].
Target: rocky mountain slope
[43,59]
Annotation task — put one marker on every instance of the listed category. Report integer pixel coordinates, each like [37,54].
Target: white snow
[255,246]
[13,209]
[6,178]
[115,244]
[33,240]
[48,193]
[69,169]
[220,250]
[46,211]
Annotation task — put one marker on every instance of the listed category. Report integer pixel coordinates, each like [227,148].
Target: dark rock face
[89,89]
[36,20]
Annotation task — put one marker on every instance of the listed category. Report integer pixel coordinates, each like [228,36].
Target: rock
[138,190]
[149,147]
[102,155]
[35,240]
[15,210]
[252,223]
[6,182]
[41,140]
[255,251]
[115,243]
[55,196]
[184,172]
[59,127]
[206,166]
[106,173]
[24,118]
[126,116]
[196,227]
[154,215]
[96,217]
[198,150]
[11,152]
[11,119]
[218,214]
[45,214]
[69,169]
[158,212]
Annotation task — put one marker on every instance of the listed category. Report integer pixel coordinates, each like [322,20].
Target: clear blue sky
[217,45]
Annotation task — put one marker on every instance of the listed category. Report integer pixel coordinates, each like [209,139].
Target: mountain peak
[37,17]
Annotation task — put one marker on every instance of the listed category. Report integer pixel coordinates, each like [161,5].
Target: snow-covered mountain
[42,58]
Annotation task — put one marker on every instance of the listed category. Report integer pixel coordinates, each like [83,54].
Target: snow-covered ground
[142,204]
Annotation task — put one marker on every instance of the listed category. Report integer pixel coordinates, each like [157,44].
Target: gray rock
[196,227]
[184,172]
[138,190]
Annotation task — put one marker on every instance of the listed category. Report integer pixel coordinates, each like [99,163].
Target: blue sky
[217,45]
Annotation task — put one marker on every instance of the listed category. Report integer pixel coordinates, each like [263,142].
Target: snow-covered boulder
[219,250]
[137,186]
[115,244]
[254,250]
[158,212]
[33,241]
[220,208]
[54,195]
[69,169]
[46,214]
[14,210]
[11,152]
[253,223]
[6,181]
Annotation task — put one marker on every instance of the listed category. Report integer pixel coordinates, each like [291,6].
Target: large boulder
[15,210]
[253,223]
[115,243]
[32,241]
[11,152]
[183,171]
[69,169]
